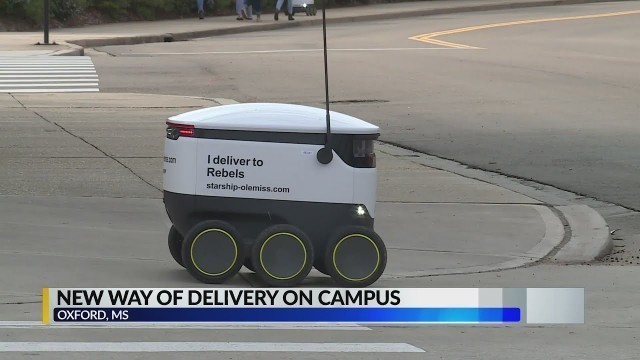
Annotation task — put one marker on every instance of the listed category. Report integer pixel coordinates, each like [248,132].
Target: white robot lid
[273,117]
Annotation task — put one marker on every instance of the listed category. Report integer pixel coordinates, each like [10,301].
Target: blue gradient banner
[338,315]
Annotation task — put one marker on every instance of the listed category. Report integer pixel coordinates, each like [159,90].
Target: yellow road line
[447,44]
[430,37]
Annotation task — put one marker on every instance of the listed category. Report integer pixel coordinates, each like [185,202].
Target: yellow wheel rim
[235,256]
[304,249]
[335,250]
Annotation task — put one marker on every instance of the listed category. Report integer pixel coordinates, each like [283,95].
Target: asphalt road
[535,100]
[80,207]
[552,101]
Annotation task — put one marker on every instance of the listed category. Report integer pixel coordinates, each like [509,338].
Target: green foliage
[227,4]
[115,9]
[34,11]
[12,7]
[142,9]
[65,10]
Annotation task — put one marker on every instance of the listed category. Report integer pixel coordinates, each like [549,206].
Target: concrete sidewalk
[84,172]
[72,40]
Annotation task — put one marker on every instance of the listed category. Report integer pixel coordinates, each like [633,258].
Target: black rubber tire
[320,267]
[375,255]
[249,265]
[231,260]
[175,245]
[279,277]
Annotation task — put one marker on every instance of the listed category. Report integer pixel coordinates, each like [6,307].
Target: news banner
[510,306]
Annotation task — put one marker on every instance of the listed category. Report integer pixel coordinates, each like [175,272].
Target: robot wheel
[320,267]
[282,255]
[249,265]
[355,256]
[212,252]
[175,245]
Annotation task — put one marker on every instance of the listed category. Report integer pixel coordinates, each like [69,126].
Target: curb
[575,233]
[169,37]
[75,50]
[552,240]
[590,238]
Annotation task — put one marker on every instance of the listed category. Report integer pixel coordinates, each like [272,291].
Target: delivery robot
[271,187]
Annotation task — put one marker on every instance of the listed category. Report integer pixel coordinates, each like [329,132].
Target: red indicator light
[186,132]
[174,131]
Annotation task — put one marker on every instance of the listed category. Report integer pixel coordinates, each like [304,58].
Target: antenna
[325,155]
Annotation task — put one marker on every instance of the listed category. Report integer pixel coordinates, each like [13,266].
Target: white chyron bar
[511,306]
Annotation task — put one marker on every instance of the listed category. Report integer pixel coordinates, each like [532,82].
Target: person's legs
[249,9]
[200,4]
[278,7]
[239,7]
[257,6]
[290,8]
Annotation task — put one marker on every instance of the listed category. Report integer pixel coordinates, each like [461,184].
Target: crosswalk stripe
[9,68]
[47,66]
[50,90]
[22,81]
[41,61]
[88,63]
[47,85]
[156,347]
[187,326]
[45,58]
[47,74]
[169,347]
